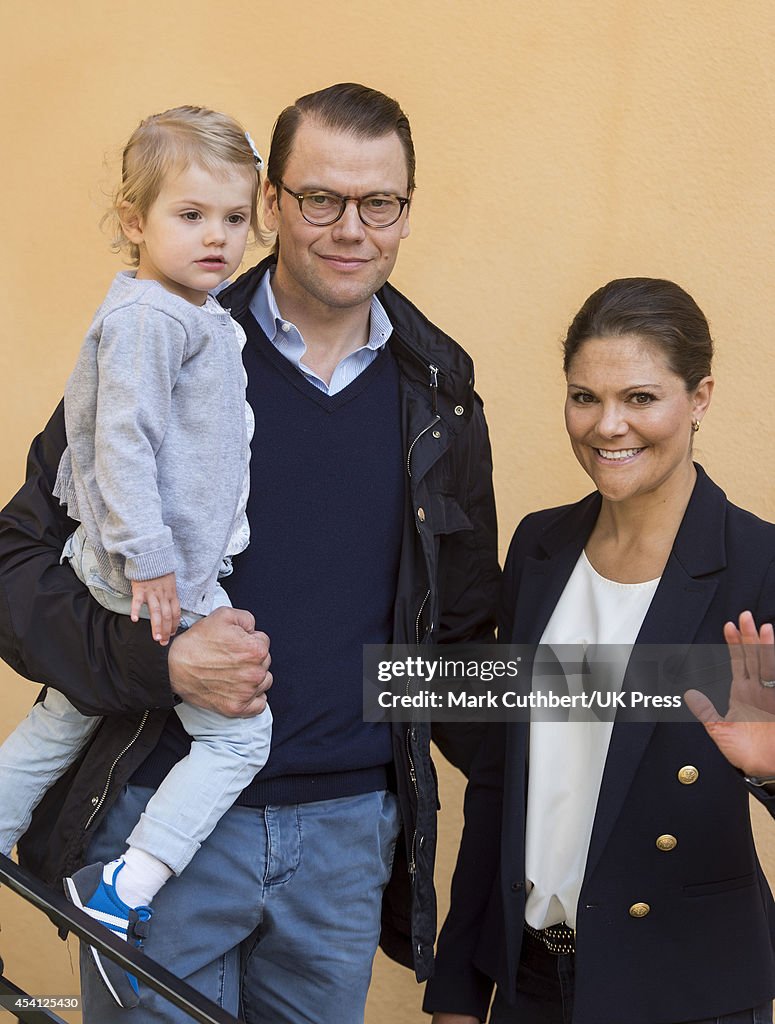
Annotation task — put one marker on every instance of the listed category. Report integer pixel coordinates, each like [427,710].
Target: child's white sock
[141,877]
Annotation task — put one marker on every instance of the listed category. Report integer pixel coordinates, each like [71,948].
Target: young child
[156,472]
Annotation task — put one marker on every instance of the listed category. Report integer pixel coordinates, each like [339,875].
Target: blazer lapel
[543,578]
[677,610]
[541,584]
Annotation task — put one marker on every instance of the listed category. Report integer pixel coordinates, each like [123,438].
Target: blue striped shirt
[287,339]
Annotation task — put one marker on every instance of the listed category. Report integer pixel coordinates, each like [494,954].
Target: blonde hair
[174,140]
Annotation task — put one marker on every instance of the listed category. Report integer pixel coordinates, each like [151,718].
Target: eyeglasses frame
[403,202]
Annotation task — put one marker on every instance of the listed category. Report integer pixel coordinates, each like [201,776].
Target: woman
[607,873]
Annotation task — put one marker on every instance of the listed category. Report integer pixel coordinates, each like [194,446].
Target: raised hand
[746,734]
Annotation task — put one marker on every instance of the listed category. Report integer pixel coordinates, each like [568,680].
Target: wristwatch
[765,782]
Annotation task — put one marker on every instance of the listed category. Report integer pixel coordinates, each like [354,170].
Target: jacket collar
[417,343]
[699,551]
[699,545]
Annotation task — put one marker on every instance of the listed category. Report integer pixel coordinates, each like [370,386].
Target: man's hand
[222,663]
[746,734]
[161,596]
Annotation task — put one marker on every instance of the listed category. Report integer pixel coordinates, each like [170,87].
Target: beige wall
[559,145]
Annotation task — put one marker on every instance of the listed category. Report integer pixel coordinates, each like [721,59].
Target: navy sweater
[326,512]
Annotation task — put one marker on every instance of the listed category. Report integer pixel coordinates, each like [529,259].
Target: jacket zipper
[419,614]
[425,430]
[412,770]
[434,386]
[413,777]
[118,757]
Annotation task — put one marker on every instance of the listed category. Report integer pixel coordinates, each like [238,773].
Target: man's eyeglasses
[378,210]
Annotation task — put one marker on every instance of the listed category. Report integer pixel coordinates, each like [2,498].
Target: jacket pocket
[725,885]
[448,516]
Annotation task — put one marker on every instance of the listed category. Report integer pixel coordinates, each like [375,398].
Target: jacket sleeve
[475,914]
[457,986]
[470,578]
[51,630]
[469,571]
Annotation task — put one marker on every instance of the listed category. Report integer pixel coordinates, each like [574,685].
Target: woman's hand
[746,734]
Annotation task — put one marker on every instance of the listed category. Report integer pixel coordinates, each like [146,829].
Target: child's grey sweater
[158,448]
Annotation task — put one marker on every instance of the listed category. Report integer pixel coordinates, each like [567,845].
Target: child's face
[193,236]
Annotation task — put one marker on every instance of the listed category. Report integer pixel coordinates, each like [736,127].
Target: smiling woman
[587,843]
[637,361]
[626,406]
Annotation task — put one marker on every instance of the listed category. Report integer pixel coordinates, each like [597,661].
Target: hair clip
[254,151]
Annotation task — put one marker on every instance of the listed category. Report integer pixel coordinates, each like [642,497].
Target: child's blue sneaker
[93,889]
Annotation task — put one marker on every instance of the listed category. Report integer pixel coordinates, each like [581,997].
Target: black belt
[559,939]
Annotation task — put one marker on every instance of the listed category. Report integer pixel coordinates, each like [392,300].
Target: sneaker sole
[75,899]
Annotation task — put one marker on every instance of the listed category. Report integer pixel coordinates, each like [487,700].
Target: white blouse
[567,758]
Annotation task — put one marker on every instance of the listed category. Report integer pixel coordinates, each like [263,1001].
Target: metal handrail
[66,916]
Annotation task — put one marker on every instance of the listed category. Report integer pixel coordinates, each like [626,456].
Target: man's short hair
[346,107]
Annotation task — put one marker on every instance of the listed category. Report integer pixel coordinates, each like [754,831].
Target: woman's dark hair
[649,308]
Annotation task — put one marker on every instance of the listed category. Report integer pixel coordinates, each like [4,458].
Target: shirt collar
[264,308]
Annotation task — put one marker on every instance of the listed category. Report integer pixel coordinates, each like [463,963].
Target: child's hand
[161,596]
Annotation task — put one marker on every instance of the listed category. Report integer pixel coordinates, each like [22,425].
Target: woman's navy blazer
[704,946]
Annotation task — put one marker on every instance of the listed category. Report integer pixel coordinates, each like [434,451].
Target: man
[372,519]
